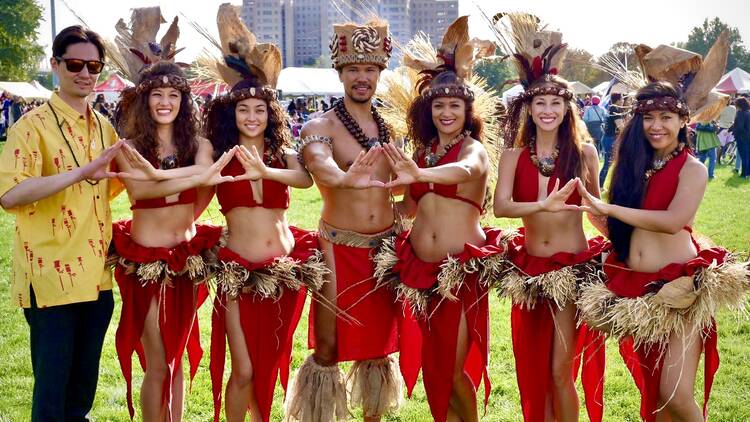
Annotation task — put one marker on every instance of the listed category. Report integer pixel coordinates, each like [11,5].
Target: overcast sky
[591,25]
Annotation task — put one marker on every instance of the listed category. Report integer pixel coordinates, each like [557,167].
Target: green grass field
[724,216]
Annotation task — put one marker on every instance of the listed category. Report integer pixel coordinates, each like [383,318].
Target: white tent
[601,89]
[313,81]
[579,88]
[512,92]
[25,90]
[736,81]
[309,81]
[42,90]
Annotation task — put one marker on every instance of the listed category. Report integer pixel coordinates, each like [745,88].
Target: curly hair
[570,134]
[419,116]
[134,122]
[220,124]
[628,184]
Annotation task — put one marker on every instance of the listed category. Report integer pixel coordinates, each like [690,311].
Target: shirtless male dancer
[342,151]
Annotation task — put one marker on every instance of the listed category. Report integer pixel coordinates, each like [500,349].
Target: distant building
[303,28]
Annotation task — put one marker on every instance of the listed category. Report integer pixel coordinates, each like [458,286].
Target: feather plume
[241,55]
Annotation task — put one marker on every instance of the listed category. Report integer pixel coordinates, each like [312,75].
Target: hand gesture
[144,170]
[98,168]
[212,176]
[359,175]
[405,169]
[252,162]
[555,201]
[590,203]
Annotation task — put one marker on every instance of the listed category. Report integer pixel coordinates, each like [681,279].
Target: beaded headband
[161,81]
[459,91]
[662,103]
[264,93]
[546,90]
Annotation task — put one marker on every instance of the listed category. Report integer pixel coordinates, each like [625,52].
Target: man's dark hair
[77,34]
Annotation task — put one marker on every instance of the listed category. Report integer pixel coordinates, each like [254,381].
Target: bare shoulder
[510,153]
[694,170]
[324,125]
[472,146]
[589,151]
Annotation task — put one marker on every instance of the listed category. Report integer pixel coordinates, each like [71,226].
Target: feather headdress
[457,53]
[136,42]
[422,62]
[696,76]
[242,58]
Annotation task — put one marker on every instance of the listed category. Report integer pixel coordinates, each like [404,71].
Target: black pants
[743,148]
[66,344]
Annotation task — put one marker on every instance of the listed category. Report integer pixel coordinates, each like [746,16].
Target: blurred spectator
[594,116]
[612,124]
[706,143]
[725,122]
[741,130]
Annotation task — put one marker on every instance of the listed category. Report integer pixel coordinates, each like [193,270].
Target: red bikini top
[526,181]
[420,189]
[662,185]
[240,194]
[188,196]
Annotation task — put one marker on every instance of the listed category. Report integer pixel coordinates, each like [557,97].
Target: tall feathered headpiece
[422,62]
[137,47]
[696,77]
[457,53]
[242,58]
[537,54]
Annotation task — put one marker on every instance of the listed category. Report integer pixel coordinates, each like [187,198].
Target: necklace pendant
[372,142]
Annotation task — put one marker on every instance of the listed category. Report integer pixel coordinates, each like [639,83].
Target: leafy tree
[496,72]
[577,67]
[702,37]
[19,52]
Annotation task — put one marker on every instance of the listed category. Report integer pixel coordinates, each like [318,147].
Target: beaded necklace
[660,163]
[356,131]
[432,158]
[545,165]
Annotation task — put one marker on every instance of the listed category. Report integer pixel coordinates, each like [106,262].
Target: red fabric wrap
[644,363]
[662,185]
[376,310]
[533,335]
[177,304]
[419,189]
[267,324]
[526,181]
[240,193]
[433,347]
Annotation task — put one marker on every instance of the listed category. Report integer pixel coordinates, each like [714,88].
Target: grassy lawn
[724,216]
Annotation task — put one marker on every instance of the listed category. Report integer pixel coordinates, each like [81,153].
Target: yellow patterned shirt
[60,242]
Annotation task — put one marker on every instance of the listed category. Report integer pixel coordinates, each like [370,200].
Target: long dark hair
[628,185]
[419,116]
[570,134]
[220,123]
[134,120]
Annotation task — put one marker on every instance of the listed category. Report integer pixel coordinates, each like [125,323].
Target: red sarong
[375,309]
[533,335]
[267,324]
[645,363]
[177,303]
[433,347]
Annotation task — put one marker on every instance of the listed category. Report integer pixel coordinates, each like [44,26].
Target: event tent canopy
[580,88]
[737,81]
[25,90]
[115,83]
[512,92]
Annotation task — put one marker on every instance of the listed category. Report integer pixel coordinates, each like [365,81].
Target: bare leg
[239,393]
[564,395]
[156,368]
[678,377]
[463,401]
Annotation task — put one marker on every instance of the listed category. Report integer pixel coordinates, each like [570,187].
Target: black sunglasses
[76,65]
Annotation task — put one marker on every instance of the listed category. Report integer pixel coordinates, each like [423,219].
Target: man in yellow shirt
[54,172]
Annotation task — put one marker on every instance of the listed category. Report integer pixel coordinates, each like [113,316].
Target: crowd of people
[400,261]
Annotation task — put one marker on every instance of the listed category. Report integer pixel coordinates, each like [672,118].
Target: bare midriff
[443,226]
[258,234]
[163,227]
[651,251]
